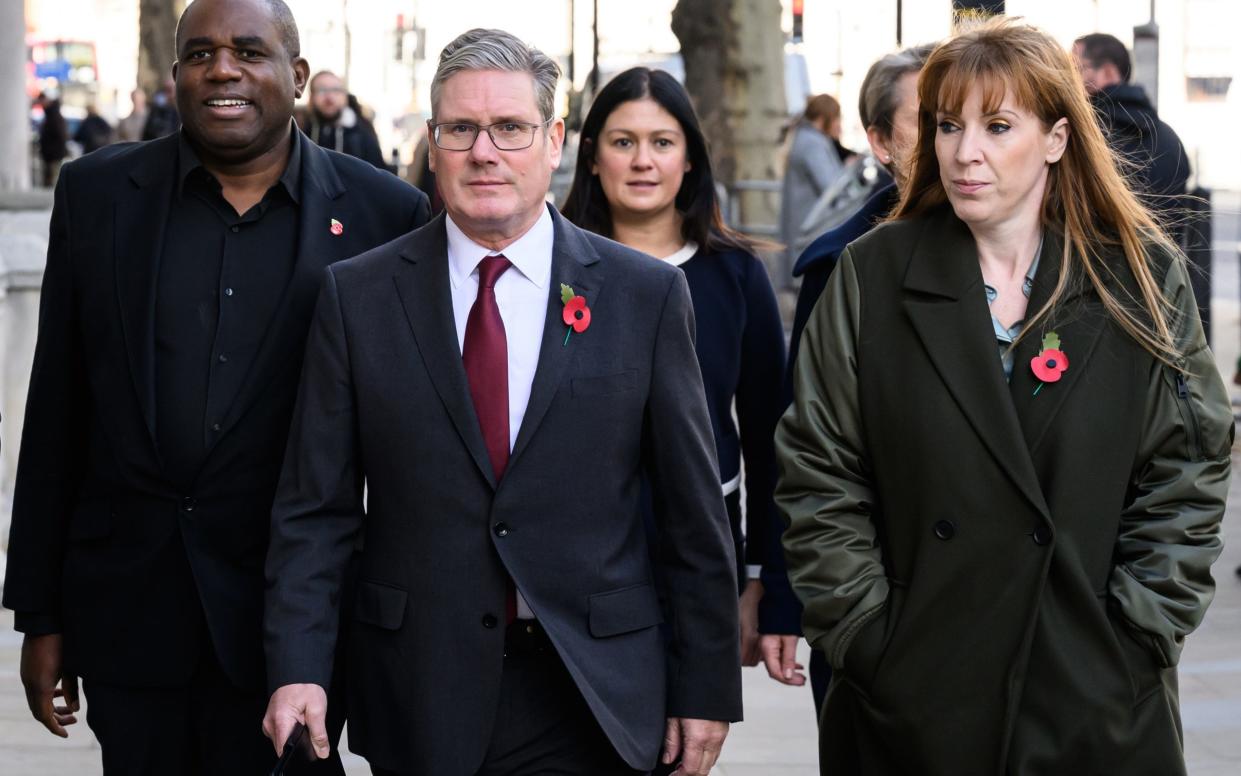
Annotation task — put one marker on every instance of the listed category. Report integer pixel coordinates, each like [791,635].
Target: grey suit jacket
[384,401]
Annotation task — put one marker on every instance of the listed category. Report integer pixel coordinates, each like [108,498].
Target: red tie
[485,355]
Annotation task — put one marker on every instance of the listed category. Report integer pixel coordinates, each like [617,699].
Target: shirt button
[501,529]
[945,530]
[490,621]
[236,229]
[223,358]
[187,504]
[215,426]
[228,292]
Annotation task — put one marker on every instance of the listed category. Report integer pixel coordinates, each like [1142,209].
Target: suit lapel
[140,217]
[426,297]
[1078,321]
[575,263]
[948,308]
[321,187]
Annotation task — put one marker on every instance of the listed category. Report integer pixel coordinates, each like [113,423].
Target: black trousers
[206,728]
[543,725]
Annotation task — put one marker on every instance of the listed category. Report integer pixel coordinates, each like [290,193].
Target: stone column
[14,108]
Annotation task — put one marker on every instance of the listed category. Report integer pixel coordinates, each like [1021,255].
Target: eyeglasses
[505,135]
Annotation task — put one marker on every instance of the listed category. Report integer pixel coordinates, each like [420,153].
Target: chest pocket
[606,384]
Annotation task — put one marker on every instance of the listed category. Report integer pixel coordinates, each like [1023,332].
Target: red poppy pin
[336,228]
[576,314]
[1050,363]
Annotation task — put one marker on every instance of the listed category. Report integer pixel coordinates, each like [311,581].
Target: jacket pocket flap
[380,604]
[625,610]
[605,384]
[90,520]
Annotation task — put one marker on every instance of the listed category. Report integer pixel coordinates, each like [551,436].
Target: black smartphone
[297,750]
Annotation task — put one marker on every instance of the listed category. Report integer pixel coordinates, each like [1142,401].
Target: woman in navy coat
[644,179]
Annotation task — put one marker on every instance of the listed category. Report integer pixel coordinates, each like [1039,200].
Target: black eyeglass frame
[479,128]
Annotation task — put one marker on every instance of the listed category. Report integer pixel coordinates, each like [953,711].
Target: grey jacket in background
[811,167]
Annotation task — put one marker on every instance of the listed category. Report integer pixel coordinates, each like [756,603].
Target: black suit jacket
[99,536]
[384,401]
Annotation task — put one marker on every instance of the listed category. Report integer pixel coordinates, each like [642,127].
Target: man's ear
[301,73]
[431,147]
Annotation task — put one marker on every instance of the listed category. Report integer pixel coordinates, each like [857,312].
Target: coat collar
[423,288]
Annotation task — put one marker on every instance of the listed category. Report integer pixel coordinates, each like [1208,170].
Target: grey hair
[876,103]
[481,49]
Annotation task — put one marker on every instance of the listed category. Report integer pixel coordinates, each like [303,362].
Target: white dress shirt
[521,295]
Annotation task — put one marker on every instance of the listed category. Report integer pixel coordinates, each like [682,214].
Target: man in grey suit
[499,381]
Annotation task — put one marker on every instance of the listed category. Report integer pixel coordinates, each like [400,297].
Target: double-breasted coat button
[944,529]
[500,529]
[1041,535]
[490,621]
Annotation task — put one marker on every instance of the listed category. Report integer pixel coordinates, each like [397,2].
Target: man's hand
[748,614]
[696,741]
[293,703]
[41,673]
[780,657]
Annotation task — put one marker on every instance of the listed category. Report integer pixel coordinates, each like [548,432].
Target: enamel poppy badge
[1050,363]
[576,314]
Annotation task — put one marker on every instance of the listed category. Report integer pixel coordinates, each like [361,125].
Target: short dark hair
[696,201]
[281,16]
[1100,48]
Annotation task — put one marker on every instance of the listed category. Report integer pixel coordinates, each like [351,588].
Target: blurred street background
[750,65]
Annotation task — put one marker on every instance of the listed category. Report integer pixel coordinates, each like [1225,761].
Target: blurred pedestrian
[129,129]
[644,179]
[53,141]
[94,132]
[888,107]
[159,409]
[162,118]
[813,163]
[333,123]
[1158,167]
[1008,453]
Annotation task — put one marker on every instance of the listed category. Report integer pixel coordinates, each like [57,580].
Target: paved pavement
[779,737]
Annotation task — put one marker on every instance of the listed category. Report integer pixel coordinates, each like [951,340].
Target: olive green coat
[1002,579]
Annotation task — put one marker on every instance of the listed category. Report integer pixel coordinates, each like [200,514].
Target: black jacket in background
[1134,130]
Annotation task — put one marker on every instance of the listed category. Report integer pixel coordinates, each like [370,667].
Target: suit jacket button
[945,530]
[490,621]
[1041,535]
[500,529]
[187,504]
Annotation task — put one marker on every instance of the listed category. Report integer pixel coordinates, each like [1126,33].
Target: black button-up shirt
[221,279]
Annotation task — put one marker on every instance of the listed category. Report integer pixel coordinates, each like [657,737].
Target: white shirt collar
[686,253]
[531,253]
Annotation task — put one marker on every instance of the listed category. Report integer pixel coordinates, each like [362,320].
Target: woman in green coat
[1007,457]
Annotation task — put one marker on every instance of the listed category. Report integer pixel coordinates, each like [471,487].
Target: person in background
[162,117]
[129,129]
[888,107]
[814,161]
[333,123]
[53,140]
[644,179]
[1158,166]
[94,132]
[1008,453]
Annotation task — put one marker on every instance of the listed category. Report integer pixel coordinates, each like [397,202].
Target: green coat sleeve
[1169,531]
[825,492]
